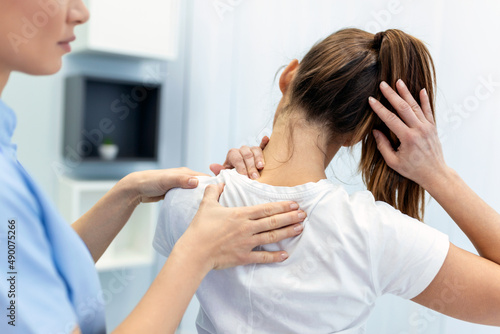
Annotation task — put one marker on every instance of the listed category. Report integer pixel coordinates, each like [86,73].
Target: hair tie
[377,40]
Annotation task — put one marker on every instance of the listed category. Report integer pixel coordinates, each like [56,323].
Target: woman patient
[354,248]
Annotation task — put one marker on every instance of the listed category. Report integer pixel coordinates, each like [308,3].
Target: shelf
[126,112]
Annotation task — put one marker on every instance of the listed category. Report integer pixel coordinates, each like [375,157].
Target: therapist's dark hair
[333,83]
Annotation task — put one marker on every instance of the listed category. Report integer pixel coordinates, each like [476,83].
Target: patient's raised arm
[467,286]
[420,158]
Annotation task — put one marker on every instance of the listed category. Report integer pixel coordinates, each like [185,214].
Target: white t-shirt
[352,250]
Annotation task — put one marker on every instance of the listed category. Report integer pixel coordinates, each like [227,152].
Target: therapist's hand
[420,156]
[220,237]
[246,160]
[151,185]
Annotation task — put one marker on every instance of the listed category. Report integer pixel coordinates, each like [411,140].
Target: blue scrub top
[49,284]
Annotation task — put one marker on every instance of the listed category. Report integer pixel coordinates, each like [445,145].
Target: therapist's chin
[45,63]
[43,67]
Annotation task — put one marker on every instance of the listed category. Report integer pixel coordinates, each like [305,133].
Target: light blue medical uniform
[54,285]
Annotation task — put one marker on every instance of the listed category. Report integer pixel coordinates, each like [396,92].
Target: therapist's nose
[77,12]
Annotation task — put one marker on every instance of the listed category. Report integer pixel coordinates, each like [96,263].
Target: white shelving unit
[146,28]
[133,245]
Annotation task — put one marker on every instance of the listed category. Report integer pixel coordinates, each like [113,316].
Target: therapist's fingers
[212,194]
[393,122]
[263,217]
[264,142]
[408,97]
[270,209]
[267,257]
[258,152]
[385,148]
[248,158]
[269,222]
[258,157]
[180,178]
[216,168]
[151,185]
[235,160]
[426,106]
[260,218]
[275,235]
[402,107]
[278,227]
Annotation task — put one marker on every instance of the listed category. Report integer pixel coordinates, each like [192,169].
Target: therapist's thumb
[212,193]
[182,180]
[187,182]
[216,168]
[385,148]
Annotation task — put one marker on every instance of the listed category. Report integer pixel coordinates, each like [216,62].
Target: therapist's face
[34,34]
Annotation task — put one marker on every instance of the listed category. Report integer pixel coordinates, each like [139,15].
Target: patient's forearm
[479,221]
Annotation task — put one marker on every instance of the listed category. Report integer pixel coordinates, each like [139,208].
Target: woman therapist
[49,283]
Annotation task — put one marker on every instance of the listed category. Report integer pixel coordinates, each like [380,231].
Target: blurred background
[213,65]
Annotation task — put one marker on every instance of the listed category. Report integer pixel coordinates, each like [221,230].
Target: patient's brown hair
[333,83]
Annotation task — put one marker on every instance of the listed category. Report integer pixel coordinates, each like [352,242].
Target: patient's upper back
[331,278]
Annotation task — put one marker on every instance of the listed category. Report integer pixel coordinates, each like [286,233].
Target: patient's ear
[288,75]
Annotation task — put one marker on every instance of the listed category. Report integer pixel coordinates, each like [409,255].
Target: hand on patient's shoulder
[246,160]
[223,237]
[151,185]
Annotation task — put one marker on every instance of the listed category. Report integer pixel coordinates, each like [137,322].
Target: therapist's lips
[65,44]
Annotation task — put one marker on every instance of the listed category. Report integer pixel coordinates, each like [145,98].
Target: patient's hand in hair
[419,157]
[247,160]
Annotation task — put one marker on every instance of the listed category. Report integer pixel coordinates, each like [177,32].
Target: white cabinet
[133,245]
[146,28]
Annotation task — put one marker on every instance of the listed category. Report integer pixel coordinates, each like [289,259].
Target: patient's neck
[297,153]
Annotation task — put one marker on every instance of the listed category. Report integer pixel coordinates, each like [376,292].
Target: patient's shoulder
[185,201]
[366,201]
[361,209]
[177,210]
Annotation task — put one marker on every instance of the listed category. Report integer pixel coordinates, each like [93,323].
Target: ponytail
[400,56]
[332,86]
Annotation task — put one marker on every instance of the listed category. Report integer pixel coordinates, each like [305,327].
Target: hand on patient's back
[246,160]
[225,237]
[419,157]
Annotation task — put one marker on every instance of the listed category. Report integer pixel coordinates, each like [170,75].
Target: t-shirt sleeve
[163,241]
[176,213]
[405,253]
